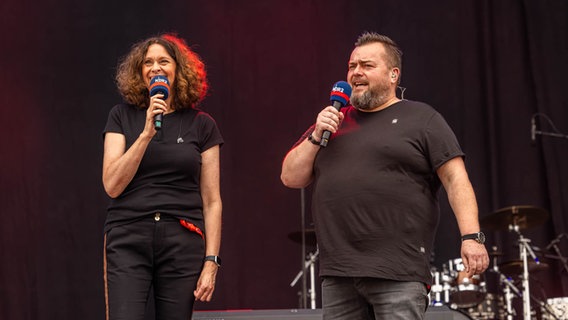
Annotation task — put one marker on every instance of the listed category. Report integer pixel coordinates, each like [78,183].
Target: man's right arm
[297,167]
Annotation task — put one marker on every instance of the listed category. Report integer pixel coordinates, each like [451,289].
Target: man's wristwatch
[479,237]
[215,259]
[313,140]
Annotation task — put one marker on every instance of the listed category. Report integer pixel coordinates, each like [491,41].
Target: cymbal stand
[309,263]
[525,249]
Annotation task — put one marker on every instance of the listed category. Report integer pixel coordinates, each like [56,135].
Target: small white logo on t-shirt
[394,121]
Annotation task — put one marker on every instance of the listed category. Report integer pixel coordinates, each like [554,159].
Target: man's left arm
[462,200]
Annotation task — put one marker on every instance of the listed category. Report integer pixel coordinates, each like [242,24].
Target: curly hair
[190,85]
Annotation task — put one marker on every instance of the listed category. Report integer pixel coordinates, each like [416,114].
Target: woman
[163,227]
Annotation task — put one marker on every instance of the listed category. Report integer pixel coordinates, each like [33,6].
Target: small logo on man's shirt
[394,121]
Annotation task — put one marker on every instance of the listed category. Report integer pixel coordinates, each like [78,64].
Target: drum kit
[451,286]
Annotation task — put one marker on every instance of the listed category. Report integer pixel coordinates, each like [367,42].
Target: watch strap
[478,236]
[313,140]
[215,259]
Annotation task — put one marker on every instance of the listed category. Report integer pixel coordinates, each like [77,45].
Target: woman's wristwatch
[215,259]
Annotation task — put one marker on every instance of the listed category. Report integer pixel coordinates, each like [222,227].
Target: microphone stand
[535,132]
[551,134]
[559,256]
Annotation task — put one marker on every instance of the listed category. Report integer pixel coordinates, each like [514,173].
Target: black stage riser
[433,313]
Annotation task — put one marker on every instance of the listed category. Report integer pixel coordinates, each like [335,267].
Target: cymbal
[296,236]
[515,267]
[522,216]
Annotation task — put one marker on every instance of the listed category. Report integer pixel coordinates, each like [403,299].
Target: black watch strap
[478,236]
[312,140]
[215,259]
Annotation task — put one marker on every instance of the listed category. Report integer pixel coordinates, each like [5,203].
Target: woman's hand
[157,106]
[206,282]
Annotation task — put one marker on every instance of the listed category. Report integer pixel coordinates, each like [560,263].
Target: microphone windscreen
[160,84]
[341,92]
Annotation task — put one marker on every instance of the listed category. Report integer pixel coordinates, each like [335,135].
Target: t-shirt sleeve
[441,141]
[304,136]
[209,134]
[114,123]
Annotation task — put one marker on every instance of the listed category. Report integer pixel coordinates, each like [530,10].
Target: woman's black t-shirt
[168,178]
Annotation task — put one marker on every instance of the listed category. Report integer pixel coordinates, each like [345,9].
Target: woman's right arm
[120,165]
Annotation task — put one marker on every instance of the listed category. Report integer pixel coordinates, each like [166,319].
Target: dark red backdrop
[487,66]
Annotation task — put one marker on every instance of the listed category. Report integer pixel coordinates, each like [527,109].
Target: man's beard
[375,96]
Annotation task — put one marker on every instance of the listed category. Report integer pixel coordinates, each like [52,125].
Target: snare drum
[465,292]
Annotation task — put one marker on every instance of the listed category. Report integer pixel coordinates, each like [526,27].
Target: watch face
[215,259]
[481,237]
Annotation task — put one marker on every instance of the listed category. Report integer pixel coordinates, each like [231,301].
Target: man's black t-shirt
[375,205]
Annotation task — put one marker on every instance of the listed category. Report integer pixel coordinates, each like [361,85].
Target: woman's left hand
[206,282]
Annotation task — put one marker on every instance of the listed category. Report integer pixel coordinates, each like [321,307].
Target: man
[375,186]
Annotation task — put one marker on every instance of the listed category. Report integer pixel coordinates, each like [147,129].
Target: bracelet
[313,141]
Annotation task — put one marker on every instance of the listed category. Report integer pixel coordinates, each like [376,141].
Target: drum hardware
[490,308]
[556,308]
[436,289]
[509,289]
[514,219]
[309,264]
[493,305]
[515,267]
[524,250]
[523,217]
[507,285]
[440,288]
[474,301]
[308,261]
[465,292]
